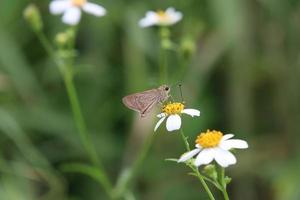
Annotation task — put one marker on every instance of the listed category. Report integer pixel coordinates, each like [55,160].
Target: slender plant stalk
[123,183]
[67,74]
[222,182]
[79,121]
[225,194]
[195,169]
[200,177]
[184,138]
[163,64]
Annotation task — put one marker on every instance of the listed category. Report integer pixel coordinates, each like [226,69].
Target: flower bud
[188,47]
[33,17]
[164,32]
[61,39]
[227,180]
[166,44]
[64,38]
[210,171]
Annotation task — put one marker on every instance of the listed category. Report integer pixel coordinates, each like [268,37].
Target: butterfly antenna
[174,84]
[179,85]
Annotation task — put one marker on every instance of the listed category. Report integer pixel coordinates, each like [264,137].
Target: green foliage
[238,63]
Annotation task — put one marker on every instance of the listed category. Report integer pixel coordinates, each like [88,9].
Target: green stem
[200,177]
[82,130]
[225,194]
[67,74]
[195,169]
[163,65]
[79,121]
[184,138]
[49,49]
[46,44]
[223,183]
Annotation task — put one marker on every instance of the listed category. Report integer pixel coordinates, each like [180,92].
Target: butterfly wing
[142,102]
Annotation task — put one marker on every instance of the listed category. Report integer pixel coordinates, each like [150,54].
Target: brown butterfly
[143,102]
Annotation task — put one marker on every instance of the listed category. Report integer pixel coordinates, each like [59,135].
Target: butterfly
[143,102]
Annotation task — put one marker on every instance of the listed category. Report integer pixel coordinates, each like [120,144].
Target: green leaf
[171,159]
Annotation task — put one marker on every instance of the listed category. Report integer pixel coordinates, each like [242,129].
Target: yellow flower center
[209,139]
[78,3]
[162,15]
[173,108]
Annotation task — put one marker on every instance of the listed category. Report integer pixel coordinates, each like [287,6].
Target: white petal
[59,6]
[188,155]
[191,112]
[159,123]
[198,146]
[170,10]
[161,115]
[174,15]
[234,143]
[173,122]
[94,9]
[149,20]
[205,157]
[226,137]
[224,157]
[72,16]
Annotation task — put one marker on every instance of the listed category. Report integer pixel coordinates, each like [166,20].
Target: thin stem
[67,74]
[163,65]
[79,121]
[184,138]
[200,177]
[45,42]
[225,194]
[195,169]
[49,49]
[223,183]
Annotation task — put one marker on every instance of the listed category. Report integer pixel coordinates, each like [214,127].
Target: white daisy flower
[71,10]
[161,18]
[172,112]
[212,145]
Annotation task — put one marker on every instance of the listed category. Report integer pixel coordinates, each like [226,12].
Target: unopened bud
[33,17]
[210,171]
[188,47]
[227,180]
[64,38]
[61,39]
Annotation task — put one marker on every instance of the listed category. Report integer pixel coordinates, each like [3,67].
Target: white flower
[212,145]
[161,18]
[172,112]
[71,10]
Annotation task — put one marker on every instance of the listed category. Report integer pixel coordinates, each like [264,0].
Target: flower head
[172,112]
[161,18]
[33,16]
[213,145]
[71,9]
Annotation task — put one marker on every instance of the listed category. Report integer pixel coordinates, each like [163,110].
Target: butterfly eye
[167,88]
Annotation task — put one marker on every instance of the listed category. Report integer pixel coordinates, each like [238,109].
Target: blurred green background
[242,72]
